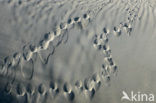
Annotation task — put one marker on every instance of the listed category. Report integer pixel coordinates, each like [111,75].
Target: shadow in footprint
[7,98]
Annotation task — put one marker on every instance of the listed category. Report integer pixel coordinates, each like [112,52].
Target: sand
[76,51]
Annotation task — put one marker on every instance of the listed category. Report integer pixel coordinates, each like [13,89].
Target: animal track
[21,65]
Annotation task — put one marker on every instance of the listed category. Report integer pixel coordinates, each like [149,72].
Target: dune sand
[76,51]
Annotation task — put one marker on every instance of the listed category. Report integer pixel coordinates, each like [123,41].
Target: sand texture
[76,51]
